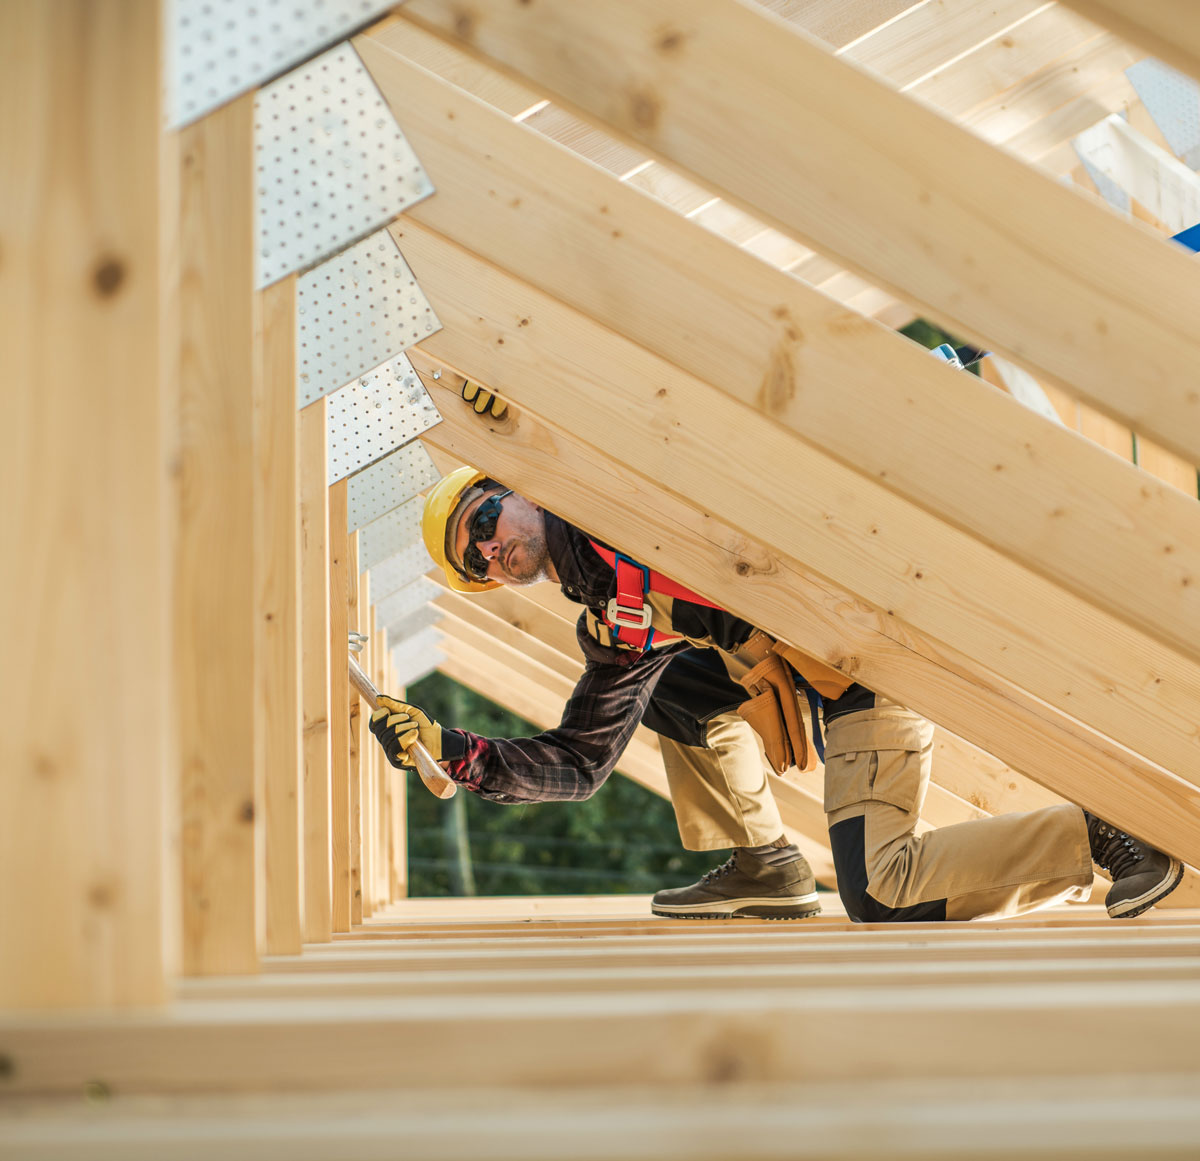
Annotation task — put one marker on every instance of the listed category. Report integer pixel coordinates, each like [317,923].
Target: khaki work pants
[877,765]
[720,792]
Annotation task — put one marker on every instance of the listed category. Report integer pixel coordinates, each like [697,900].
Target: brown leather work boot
[746,885]
[1141,875]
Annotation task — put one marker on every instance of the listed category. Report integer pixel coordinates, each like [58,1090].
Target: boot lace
[1115,851]
[719,872]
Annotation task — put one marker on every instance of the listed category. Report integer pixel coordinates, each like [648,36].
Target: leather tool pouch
[774,713]
[828,682]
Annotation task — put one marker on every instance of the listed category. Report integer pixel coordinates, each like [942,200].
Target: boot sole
[804,907]
[1128,908]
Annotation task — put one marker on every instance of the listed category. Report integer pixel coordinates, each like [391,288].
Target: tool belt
[774,710]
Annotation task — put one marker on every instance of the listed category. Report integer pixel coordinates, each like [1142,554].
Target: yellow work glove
[398,725]
[483,400]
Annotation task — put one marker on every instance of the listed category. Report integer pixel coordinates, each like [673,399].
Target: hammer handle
[434,777]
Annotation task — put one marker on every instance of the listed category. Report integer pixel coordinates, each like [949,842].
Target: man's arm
[571,761]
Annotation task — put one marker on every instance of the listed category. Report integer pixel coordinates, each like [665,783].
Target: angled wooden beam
[640,411]
[941,439]
[85,687]
[1166,29]
[978,241]
[768,587]
[927,36]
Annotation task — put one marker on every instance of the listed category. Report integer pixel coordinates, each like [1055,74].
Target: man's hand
[398,725]
[483,401]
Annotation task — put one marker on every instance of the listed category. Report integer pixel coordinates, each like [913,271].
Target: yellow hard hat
[440,504]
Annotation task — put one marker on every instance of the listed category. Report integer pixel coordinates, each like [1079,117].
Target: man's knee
[847,841]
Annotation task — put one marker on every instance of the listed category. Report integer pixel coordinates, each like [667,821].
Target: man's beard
[533,565]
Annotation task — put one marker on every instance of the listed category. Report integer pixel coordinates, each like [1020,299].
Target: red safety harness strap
[628,615]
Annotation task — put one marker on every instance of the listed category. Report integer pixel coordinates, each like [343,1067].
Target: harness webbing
[628,615]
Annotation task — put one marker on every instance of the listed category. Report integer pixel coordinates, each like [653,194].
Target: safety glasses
[481,527]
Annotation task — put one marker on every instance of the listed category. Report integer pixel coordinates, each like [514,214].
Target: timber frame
[679,238]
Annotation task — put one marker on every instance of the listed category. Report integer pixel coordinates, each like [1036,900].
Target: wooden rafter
[910,200]
[1167,29]
[773,589]
[1039,493]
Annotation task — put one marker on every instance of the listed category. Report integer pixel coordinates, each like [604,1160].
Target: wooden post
[214,582]
[339,699]
[382,859]
[314,671]
[83,680]
[387,876]
[398,782]
[350,703]
[368,837]
[277,615]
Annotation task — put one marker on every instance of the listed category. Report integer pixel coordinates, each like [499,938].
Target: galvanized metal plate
[390,534]
[388,483]
[398,571]
[353,313]
[407,600]
[332,163]
[1173,100]
[414,623]
[375,415]
[216,49]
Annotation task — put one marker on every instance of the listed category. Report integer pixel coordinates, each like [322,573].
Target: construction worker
[633,624]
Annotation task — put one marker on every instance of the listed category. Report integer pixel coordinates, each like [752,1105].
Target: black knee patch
[847,840]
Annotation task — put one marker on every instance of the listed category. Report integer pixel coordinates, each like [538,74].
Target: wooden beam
[399,788]
[214,548]
[922,40]
[314,670]
[84,683]
[774,590]
[277,734]
[898,194]
[353,710]
[693,1037]
[950,1121]
[938,438]
[339,702]
[1167,29]
[645,413]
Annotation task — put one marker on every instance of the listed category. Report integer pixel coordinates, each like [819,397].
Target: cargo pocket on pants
[875,760]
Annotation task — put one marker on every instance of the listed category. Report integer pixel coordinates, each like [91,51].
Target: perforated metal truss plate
[398,571]
[387,484]
[414,623]
[216,49]
[406,600]
[354,312]
[375,415]
[333,165]
[390,534]
[1173,100]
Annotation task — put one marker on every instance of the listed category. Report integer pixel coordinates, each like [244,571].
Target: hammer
[431,773]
